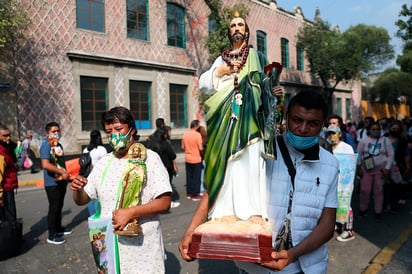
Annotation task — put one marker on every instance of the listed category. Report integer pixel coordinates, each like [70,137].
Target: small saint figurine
[134,178]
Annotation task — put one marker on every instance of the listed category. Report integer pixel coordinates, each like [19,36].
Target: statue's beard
[239,37]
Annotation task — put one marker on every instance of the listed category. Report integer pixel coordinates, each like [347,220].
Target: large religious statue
[241,122]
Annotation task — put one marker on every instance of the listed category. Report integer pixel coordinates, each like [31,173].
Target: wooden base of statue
[132,229]
[226,242]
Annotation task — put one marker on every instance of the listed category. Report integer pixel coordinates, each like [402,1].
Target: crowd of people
[300,191]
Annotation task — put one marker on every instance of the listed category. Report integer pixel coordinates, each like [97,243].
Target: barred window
[90,14]
[140,103]
[94,101]
[138,19]
[300,58]
[175,26]
[261,42]
[284,44]
[178,101]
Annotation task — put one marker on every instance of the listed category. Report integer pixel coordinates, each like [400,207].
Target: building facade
[83,57]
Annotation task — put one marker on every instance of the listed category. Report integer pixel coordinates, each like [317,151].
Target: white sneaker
[174,204]
[346,236]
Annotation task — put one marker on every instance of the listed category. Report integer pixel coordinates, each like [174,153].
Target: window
[175,26]
[339,106]
[347,107]
[137,19]
[299,58]
[140,103]
[90,14]
[212,24]
[178,99]
[284,44]
[93,92]
[261,42]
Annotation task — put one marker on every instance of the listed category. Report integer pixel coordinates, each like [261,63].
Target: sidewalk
[28,179]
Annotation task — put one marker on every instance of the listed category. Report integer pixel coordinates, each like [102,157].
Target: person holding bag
[393,190]
[376,154]
[131,185]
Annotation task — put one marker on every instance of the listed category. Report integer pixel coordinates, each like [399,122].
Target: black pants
[10,203]
[193,176]
[55,195]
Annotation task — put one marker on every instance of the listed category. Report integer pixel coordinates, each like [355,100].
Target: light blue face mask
[300,142]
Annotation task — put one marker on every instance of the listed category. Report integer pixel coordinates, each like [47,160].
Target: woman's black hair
[95,139]
[120,115]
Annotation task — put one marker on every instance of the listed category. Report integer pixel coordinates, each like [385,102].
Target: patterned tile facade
[48,80]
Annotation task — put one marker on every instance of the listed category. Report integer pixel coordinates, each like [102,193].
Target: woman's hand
[78,183]
[120,218]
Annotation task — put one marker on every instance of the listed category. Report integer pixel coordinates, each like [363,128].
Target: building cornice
[88,56]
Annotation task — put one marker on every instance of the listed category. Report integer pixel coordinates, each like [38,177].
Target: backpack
[85,162]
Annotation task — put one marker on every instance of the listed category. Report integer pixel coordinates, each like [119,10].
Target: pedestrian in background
[376,157]
[395,189]
[97,151]
[344,221]
[56,179]
[27,152]
[8,172]
[192,145]
[159,143]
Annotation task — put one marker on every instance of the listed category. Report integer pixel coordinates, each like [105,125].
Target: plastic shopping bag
[104,244]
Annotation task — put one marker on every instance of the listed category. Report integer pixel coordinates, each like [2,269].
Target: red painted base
[240,247]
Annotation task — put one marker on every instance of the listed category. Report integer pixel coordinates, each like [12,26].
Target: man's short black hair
[309,100]
[50,125]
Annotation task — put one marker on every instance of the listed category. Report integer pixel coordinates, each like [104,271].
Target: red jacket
[10,180]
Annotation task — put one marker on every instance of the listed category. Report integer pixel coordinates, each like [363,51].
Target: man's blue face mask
[300,142]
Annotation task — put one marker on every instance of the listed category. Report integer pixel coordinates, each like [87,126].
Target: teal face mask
[300,142]
[119,141]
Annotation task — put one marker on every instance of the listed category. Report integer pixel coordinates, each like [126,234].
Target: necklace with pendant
[229,57]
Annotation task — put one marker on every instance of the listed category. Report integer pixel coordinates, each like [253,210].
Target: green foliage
[335,56]
[328,54]
[405,26]
[391,85]
[404,61]
[13,23]
[218,41]
[372,44]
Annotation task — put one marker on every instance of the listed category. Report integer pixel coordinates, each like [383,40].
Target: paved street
[375,240]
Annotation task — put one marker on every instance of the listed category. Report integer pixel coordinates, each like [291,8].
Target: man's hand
[184,246]
[280,260]
[279,92]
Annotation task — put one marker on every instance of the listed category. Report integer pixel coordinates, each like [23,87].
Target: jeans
[55,195]
[92,206]
[10,203]
[193,178]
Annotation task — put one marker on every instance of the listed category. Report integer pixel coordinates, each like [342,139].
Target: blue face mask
[300,142]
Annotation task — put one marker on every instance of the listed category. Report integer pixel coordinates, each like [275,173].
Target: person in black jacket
[159,143]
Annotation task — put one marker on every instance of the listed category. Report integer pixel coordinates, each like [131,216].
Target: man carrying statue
[286,189]
[240,117]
